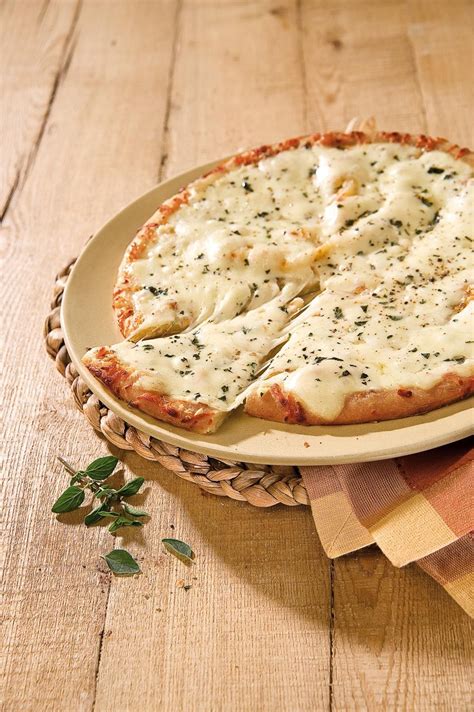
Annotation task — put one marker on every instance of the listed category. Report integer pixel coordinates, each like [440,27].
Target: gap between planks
[332,623]
[419,85]
[161,172]
[169,93]
[101,643]
[63,66]
[304,76]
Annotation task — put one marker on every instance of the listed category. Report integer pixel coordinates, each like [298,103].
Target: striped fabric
[417,508]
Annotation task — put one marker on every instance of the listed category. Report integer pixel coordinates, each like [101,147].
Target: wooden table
[101,99]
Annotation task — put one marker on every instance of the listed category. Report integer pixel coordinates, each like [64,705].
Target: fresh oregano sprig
[110,505]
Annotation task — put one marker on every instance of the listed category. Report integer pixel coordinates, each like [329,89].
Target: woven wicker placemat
[260,485]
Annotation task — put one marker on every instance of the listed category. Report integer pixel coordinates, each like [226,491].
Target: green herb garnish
[425,201]
[71,499]
[130,488]
[110,505]
[121,563]
[178,548]
[101,468]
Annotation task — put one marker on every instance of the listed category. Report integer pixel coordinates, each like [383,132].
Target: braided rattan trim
[260,485]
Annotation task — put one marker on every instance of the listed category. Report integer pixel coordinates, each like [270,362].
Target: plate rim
[186,440]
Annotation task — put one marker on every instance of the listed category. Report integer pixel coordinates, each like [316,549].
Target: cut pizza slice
[382,343]
[194,379]
[347,374]
[228,243]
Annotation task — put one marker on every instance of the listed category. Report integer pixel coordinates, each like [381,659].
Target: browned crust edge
[362,407]
[122,297]
[122,382]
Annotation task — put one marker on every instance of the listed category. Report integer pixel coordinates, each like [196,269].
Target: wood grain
[101,117]
[380,649]
[393,646]
[103,102]
[360,64]
[443,50]
[234,61]
[253,629]
[36,41]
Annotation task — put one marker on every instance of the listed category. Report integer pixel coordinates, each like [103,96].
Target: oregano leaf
[123,522]
[131,487]
[105,491]
[178,548]
[134,511]
[71,499]
[101,468]
[96,515]
[121,563]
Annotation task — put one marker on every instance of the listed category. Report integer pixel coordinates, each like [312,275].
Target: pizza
[324,279]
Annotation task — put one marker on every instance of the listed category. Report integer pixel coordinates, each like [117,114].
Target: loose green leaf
[96,515]
[101,468]
[134,511]
[131,487]
[71,499]
[178,548]
[121,563]
[123,522]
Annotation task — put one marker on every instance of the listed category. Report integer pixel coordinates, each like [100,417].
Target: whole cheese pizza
[325,279]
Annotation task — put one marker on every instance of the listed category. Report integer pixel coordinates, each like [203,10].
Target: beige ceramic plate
[88,320]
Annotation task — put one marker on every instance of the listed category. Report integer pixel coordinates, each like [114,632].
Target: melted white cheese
[384,229]
[262,225]
[405,323]
[213,363]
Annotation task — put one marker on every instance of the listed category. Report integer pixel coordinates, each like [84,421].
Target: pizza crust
[274,403]
[122,382]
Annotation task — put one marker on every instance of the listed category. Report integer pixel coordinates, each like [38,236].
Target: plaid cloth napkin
[417,508]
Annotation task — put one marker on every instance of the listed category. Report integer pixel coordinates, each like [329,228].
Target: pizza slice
[226,244]
[194,379]
[391,336]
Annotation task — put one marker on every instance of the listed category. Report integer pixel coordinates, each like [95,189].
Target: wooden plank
[252,632]
[238,80]
[400,642]
[388,624]
[35,38]
[441,36]
[100,147]
[253,628]
[359,63]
